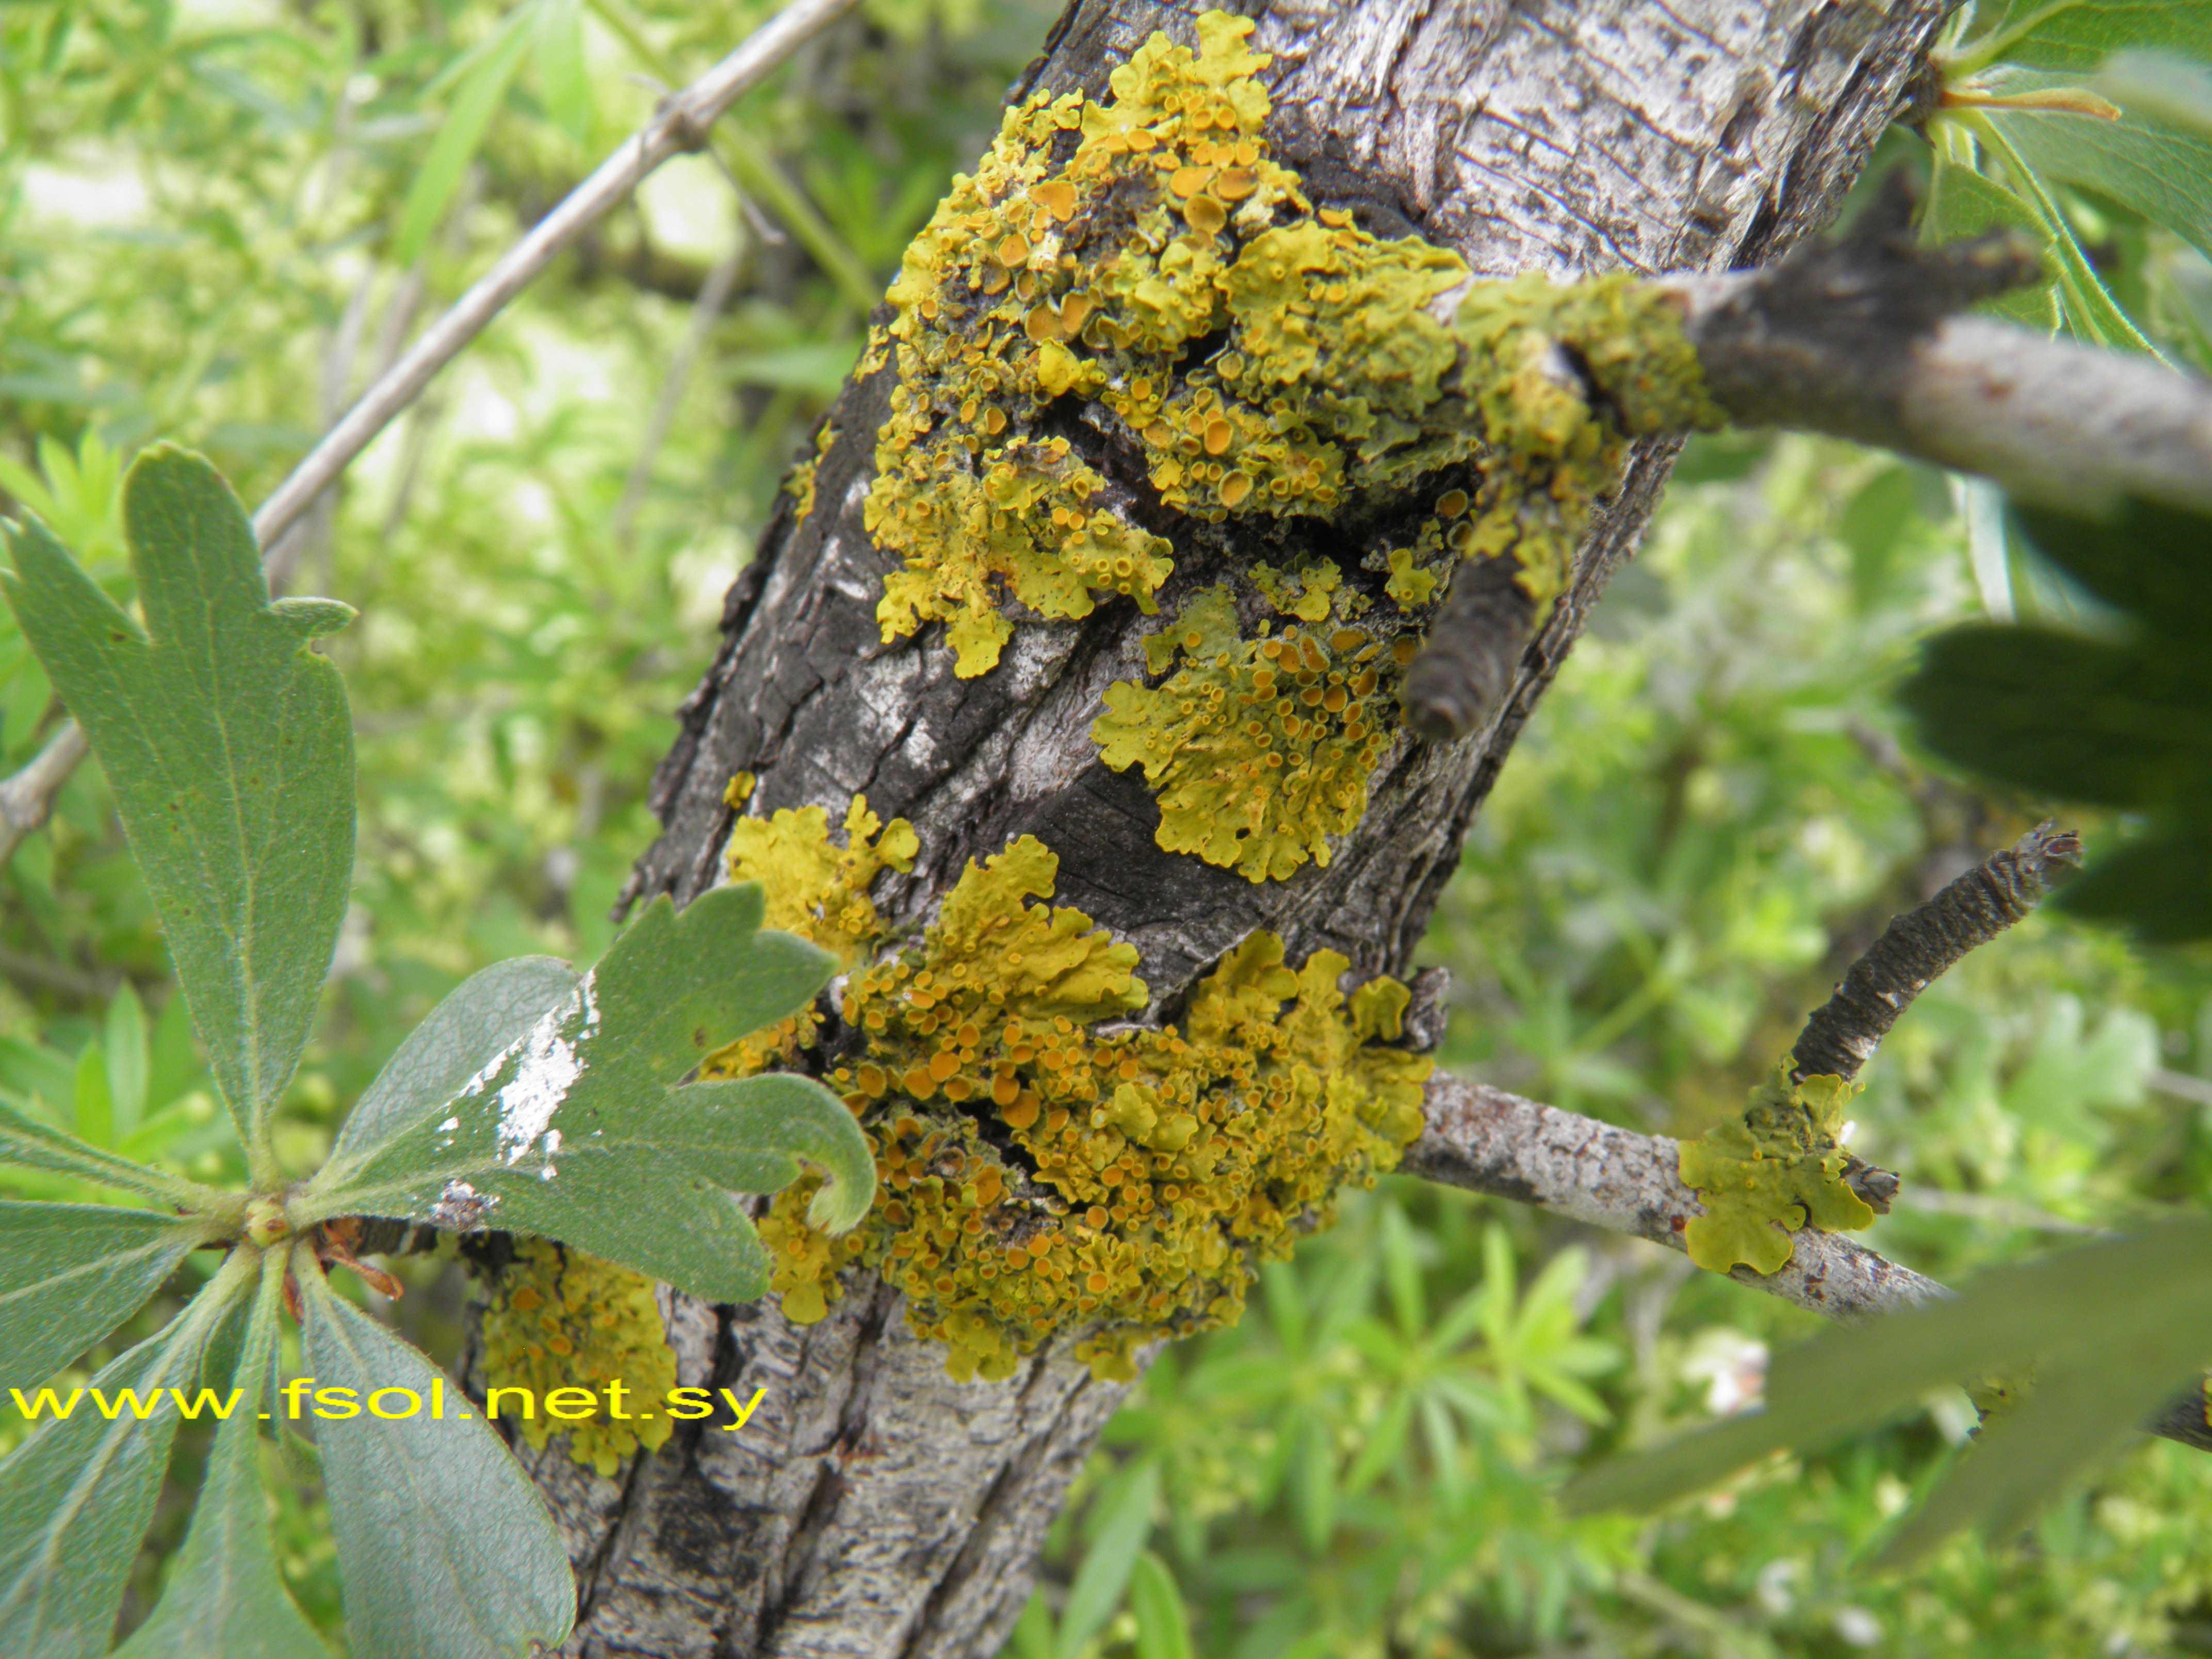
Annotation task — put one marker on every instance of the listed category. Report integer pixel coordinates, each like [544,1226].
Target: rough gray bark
[871,1507]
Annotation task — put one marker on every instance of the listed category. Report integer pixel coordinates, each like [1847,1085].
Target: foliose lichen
[1147,254]
[560,1319]
[1771,1173]
[1044,1163]
[1130,320]
[1259,748]
[800,484]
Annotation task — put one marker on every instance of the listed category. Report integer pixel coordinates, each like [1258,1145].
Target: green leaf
[444,1550]
[2054,713]
[124,1037]
[1125,1521]
[2077,35]
[70,1273]
[2152,560]
[2090,309]
[76,1496]
[1163,1622]
[1962,203]
[2161,887]
[576,1134]
[558,41]
[2106,1311]
[2162,173]
[226,743]
[475,102]
[473,1025]
[225,1598]
[93,1107]
[30,1145]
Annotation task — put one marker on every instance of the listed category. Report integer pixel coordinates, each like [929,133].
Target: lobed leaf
[226,742]
[70,1273]
[444,1550]
[475,1023]
[576,1134]
[225,1598]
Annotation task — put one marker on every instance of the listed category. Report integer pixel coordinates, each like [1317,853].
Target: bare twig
[1925,942]
[1489,1141]
[682,122]
[27,799]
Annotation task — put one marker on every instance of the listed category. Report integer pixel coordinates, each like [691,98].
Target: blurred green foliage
[218,218]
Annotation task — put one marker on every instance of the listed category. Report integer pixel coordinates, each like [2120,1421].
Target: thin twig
[1489,1141]
[1923,943]
[680,124]
[683,123]
[27,799]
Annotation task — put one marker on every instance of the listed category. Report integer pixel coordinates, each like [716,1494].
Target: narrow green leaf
[475,102]
[476,1023]
[558,38]
[2162,173]
[1163,1622]
[2090,308]
[575,1133]
[444,1550]
[225,1598]
[2062,715]
[30,1145]
[1123,1526]
[70,1273]
[2073,1418]
[76,1496]
[2090,1307]
[2077,35]
[226,743]
[2152,560]
[124,1037]
[93,1107]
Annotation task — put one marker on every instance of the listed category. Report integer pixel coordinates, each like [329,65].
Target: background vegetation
[218,218]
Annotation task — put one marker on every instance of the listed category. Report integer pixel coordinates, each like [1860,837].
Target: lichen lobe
[1048,1164]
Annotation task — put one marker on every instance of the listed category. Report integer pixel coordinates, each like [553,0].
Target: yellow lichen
[1258,749]
[1771,1173]
[814,890]
[1046,1167]
[801,481]
[1099,242]
[560,1319]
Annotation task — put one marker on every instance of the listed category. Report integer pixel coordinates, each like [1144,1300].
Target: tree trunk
[871,1506]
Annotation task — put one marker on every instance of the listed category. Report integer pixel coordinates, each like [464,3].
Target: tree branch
[683,123]
[1859,338]
[1923,943]
[1488,1141]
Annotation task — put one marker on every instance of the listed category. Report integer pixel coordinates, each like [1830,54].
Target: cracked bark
[872,1507]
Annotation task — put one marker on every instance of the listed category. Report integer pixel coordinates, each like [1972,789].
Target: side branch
[1925,943]
[1488,1141]
[1860,338]
[682,122]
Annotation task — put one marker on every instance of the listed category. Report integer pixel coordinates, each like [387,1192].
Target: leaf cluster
[533,1095]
